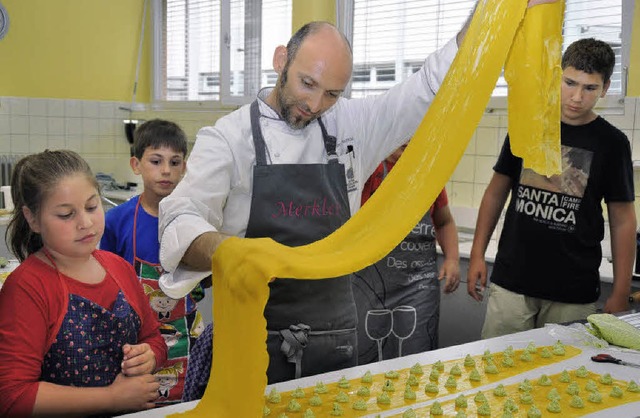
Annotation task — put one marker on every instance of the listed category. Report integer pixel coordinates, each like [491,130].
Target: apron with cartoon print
[180,323]
[398,298]
[87,350]
[311,324]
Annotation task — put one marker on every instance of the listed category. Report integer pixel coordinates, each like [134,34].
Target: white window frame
[226,101]
[611,103]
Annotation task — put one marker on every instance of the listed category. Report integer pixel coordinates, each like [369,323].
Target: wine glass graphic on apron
[404,324]
[378,325]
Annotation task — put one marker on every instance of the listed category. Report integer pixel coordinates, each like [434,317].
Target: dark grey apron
[398,299]
[311,323]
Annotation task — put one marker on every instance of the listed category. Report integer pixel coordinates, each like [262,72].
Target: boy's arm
[622,227]
[447,236]
[493,202]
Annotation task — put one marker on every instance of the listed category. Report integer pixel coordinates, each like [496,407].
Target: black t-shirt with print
[550,243]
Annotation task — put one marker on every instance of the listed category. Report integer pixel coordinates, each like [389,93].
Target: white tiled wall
[95,130]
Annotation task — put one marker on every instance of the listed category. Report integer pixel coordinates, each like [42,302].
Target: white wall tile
[106,145]
[73,126]
[90,109]
[106,127]
[56,142]
[74,143]
[486,141]
[38,125]
[462,193]
[478,192]
[5,124]
[73,108]
[19,144]
[5,108]
[471,147]
[465,170]
[484,169]
[90,144]
[19,125]
[621,121]
[37,107]
[55,126]
[18,106]
[635,149]
[55,107]
[489,121]
[122,147]
[37,143]
[90,126]
[5,143]
[107,110]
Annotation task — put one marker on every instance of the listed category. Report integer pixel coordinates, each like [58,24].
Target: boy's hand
[450,272]
[138,360]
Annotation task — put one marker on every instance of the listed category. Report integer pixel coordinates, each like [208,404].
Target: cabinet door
[461,317]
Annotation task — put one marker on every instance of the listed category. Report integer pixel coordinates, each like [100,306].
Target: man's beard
[286,104]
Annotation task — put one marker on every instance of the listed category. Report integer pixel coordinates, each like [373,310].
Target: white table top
[541,336]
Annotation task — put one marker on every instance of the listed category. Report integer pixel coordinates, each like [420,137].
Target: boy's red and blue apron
[311,324]
[87,351]
[181,323]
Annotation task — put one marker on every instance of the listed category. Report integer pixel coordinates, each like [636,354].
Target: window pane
[391,38]
[191,64]
[251,52]
[192,50]
[600,19]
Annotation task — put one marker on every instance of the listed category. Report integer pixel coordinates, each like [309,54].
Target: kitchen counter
[119,195]
[541,337]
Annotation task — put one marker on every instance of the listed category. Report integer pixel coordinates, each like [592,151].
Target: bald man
[291,166]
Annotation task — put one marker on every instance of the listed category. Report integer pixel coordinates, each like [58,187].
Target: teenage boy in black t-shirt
[549,253]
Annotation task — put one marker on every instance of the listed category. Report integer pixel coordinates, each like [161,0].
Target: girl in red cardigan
[77,335]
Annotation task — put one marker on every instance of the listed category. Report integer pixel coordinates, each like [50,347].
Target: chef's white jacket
[215,194]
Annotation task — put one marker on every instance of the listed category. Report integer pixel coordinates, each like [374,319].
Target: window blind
[391,38]
[216,49]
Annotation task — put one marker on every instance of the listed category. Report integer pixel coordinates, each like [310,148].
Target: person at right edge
[547,265]
[291,166]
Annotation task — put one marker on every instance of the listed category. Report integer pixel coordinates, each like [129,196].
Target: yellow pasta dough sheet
[572,393]
[371,394]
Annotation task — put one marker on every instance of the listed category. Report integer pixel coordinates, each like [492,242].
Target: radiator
[7,162]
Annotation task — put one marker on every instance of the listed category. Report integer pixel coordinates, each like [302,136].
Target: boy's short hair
[156,133]
[591,56]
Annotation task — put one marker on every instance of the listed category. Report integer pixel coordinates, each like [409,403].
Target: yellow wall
[634,63]
[304,11]
[78,49]
[87,49]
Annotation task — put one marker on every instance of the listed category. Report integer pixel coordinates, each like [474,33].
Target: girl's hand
[138,360]
[134,393]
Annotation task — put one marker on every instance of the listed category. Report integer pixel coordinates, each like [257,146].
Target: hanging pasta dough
[242,268]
